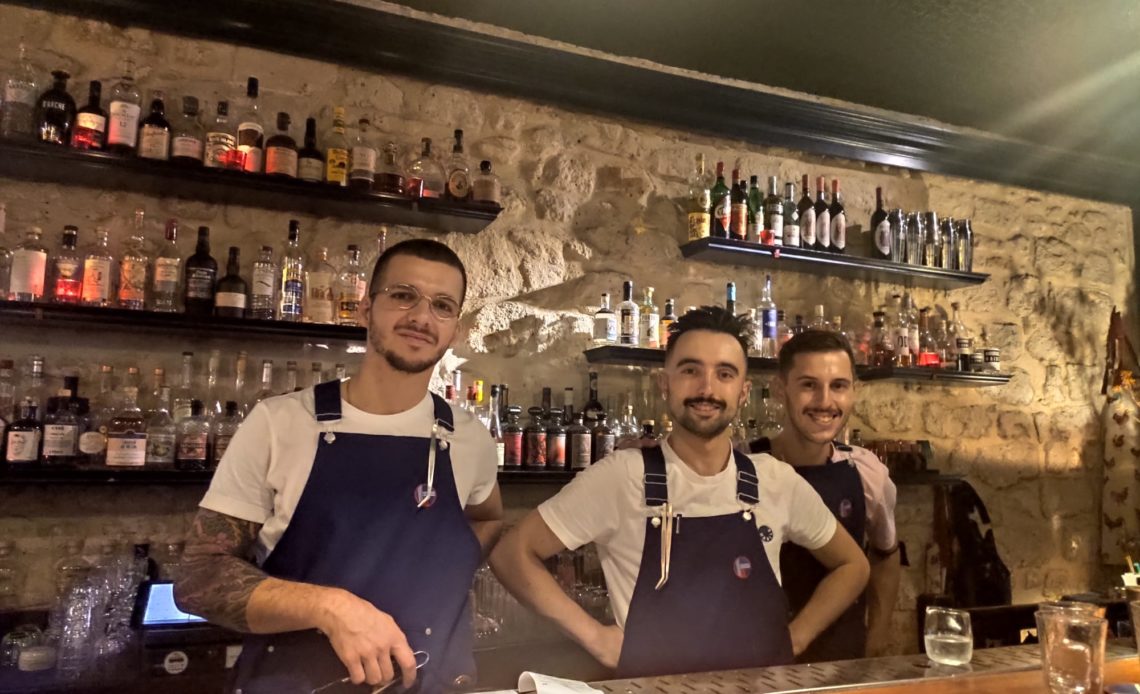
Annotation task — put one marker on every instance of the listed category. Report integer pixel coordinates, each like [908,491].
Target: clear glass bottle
[184,392]
[263,292]
[265,389]
[201,278]
[124,109]
[281,150]
[913,334]
[214,401]
[495,425]
[882,342]
[36,386]
[237,393]
[192,452]
[161,434]
[629,318]
[18,106]
[98,272]
[605,323]
[426,178]
[946,346]
[55,111]
[223,431]
[154,131]
[126,432]
[351,285]
[221,142]
[316,373]
[927,345]
[458,171]
[250,131]
[134,267]
[389,177]
[770,422]
[819,319]
[310,161]
[649,322]
[291,287]
[291,384]
[362,166]
[320,276]
[485,186]
[337,151]
[93,442]
[769,320]
[167,271]
[29,266]
[230,299]
[67,269]
[188,137]
[62,425]
[23,439]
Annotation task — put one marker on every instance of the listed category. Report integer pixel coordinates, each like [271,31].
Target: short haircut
[425,249]
[813,342]
[714,319]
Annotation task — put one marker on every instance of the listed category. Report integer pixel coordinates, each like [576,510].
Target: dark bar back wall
[591,200]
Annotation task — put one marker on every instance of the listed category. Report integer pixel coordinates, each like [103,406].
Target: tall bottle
[319,297]
[167,271]
[187,136]
[700,202]
[822,216]
[192,451]
[201,278]
[90,131]
[67,269]
[605,323]
[738,209]
[426,178]
[93,442]
[310,161]
[263,292]
[650,321]
[154,132]
[362,166]
[126,433]
[5,252]
[183,393]
[806,209]
[495,426]
[720,208]
[880,229]
[458,171]
[232,292]
[766,307]
[730,297]
[291,287]
[265,387]
[603,439]
[98,268]
[223,431]
[221,143]
[774,214]
[579,444]
[134,267]
[351,285]
[250,131]
[63,424]
[882,342]
[512,440]
[629,318]
[336,151]
[55,111]
[755,211]
[838,220]
[281,150]
[791,216]
[18,107]
[124,109]
[161,433]
[290,378]
[593,408]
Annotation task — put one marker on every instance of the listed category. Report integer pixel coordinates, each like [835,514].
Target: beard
[704,428]
[400,363]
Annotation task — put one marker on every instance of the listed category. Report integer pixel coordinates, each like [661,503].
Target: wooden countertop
[1027,682]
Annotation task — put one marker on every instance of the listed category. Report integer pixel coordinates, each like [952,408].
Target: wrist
[327,607]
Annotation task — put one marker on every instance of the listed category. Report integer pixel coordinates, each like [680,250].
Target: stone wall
[590,201]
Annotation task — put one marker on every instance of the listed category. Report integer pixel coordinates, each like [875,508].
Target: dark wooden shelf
[32,161]
[616,355]
[513,477]
[727,251]
[15,313]
[44,475]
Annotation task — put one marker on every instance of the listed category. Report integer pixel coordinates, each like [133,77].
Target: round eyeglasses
[405,297]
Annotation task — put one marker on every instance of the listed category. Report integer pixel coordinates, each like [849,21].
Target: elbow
[862,572]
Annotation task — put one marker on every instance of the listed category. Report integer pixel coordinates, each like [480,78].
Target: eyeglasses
[421,657]
[405,297]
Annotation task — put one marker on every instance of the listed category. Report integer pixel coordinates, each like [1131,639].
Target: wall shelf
[59,476]
[33,161]
[730,252]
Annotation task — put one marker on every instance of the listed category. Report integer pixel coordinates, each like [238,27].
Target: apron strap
[656,479]
[326,398]
[747,483]
[443,413]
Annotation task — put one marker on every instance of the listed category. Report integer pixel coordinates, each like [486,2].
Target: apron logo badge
[844,508]
[742,567]
[766,533]
[423,491]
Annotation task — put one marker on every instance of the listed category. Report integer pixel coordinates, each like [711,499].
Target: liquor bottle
[213,400]
[67,269]
[567,405]
[593,409]
[485,186]
[730,298]
[931,240]
[154,132]
[791,216]
[23,438]
[927,346]
[495,425]
[555,441]
[700,203]
[291,281]
[389,177]
[458,172]
[237,393]
[134,266]
[319,298]
[158,382]
[534,441]
[98,268]
[18,107]
[914,239]
[223,432]
[7,392]
[579,448]
[956,327]
[188,137]
[362,167]
[783,330]
[605,323]
[161,433]
[340,371]
[667,319]
[822,216]
[291,385]
[880,229]
[806,209]
[629,319]
[755,211]
[183,393]
[650,323]
[798,326]
[351,286]
[819,319]
[263,294]
[603,440]
[425,175]
[230,298]
[93,442]
[901,330]
[192,452]
[221,143]
[126,432]
[512,440]
[55,111]
[948,229]
[838,220]
[90,131]
[281,150]
[63,423]
[768,321]
[882,343]
[738,209]
[964,246]
[336,151]
[250,131]
[897,221]
[201,278]
[265,389]
[946,346]
[310,161]
[125,108]
[773,215]
[720,208]
[167,271]
[771,415]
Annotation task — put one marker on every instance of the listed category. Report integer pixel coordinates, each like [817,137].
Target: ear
[364,311]
[745,393]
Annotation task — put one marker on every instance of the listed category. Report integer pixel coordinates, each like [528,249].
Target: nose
[421,311]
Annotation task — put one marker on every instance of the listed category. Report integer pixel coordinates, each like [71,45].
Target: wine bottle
[232,293]
[881,228]
[807,217]
[838,220]
[721,208]
[822,216]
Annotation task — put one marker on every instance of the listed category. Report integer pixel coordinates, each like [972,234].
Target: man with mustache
[344,525]
[688,532]
[817,386]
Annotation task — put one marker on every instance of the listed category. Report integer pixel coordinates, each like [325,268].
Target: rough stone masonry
[591,200]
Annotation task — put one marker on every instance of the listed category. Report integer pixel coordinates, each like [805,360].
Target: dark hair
[813,342]
[425,249]
[713,319]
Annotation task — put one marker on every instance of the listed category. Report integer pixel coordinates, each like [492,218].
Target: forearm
[882,593]
[487,532]
[524,575]
[834,594]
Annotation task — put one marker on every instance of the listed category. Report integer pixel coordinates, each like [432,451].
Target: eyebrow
[840,379]
[697,362]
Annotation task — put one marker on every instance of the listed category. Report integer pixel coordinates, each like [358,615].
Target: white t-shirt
[605,504]
[267,464]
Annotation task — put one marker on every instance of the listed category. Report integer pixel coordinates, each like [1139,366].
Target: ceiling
[1060,72]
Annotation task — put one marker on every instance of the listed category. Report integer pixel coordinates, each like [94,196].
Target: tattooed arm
[217,581]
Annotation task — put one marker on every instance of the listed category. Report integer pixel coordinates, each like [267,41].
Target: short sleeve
[589,508]
[486,459]
[240,486]
[810,523]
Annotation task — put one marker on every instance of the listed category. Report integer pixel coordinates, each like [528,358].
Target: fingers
[374,671]
[356,670]
[386,668]
[404,656]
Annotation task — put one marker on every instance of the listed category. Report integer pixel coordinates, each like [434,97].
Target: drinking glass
[948,635]
[1072,650]
[1134,607]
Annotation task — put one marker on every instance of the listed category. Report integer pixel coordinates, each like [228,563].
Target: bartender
[366,506]
[817,386]
[688,532]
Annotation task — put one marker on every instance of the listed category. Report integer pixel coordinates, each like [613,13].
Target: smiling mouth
[705,408]
[823,418]
[414,336]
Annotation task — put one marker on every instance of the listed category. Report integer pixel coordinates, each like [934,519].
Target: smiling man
[688,532]
[344,525]
[817,386]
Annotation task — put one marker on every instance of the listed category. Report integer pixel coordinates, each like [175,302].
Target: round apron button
[269,649]
[427,632]
[766,533]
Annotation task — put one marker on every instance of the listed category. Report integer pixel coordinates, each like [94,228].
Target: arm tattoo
[217,576]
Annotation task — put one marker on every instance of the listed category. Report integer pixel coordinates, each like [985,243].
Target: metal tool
[378,688]
[439,432]
[666,543]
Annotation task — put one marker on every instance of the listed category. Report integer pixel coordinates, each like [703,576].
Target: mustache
[705,401]
[412,327]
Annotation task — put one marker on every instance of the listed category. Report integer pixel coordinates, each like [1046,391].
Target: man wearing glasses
[345,523]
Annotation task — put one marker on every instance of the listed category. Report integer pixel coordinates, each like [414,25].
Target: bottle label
[61,440]
[23,446]
[512,449]
[89,131]
[200,283]
[605,445]
[219,149]
[807,227]
[66,268]
[500,453]
[699,223]
[132,281]
[292,297]
[126,449]
[159,448]
[123,127]
[363,162]
[92,442]
[738,221]
[823,229]
[459,184]
[754,229]
[883,237]
[309,169]
[19,93]
[96,280]
[250,137]
[535,449]
[839,231]
[628,327]
[28,268]
[768,320]
[193,447]
[186,147]
[651,329]
[792,235]
[230,300]
[221,445]
[336,165]
[580,444]
[263,279]
[556,450]
[320,305]
[722,214]
[606,328]
[166,275]
[281,160]
[154,142]
[776,227]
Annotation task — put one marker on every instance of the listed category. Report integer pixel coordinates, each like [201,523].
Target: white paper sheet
[545,684]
